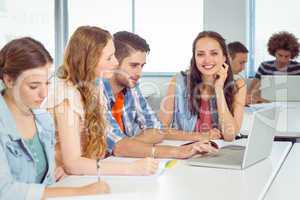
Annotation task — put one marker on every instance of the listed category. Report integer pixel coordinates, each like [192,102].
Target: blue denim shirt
[183,119]
[17,168]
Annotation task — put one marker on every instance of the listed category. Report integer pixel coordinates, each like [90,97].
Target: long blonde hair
[80,60]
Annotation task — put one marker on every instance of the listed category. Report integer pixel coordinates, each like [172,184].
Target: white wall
[27,18]
[268,22]
[227,17]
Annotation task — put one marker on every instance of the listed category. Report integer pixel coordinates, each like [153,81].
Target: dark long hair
[194,79]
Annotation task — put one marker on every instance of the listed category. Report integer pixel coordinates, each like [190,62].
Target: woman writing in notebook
[78,107]
[26,133]
[205,101]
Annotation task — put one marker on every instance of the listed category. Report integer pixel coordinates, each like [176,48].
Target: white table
[286,184]
[288,125]
[194,183]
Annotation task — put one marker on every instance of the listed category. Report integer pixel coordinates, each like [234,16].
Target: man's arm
[128,147]
[254,87]
[174,134]
[150,136]
[254,93]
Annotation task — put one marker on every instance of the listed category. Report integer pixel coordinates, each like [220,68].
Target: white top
[65,90]
[194,183]
[286,185]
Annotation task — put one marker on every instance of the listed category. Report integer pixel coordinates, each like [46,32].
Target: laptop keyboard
[228,155]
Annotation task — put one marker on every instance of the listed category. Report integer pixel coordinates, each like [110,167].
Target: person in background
[205,97]
[27,137]
[284,46]
[132,118]
[238,55]
[78,107]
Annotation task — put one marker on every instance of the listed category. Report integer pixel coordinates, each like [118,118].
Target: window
[112,15]
[271,17]
[28,18]
[169,26]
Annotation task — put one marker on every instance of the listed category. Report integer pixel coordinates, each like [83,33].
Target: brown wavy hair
[284,40]
[194,79]
[22,54]
[80,60]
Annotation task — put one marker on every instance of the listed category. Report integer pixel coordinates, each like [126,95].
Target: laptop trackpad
[231,155]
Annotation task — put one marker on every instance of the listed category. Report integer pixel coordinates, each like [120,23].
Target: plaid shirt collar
[109,92]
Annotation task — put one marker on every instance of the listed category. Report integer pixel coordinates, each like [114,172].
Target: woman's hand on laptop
[190,150]
[203,148]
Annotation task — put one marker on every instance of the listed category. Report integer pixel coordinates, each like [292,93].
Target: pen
[153,149]
[213,144]
[98,168]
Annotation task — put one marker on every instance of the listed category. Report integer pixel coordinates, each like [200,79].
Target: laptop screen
[280,87]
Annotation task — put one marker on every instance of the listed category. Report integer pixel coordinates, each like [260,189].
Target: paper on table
[123,196]
[222,143]
[76,181]
[164,164]
[255,107]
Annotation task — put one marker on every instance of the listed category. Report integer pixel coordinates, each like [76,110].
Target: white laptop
[280,87]
[258,147]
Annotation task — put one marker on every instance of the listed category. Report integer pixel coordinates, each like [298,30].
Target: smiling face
[130,70]
[107,61]
[209,56]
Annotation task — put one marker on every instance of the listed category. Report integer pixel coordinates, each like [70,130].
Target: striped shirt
[137,115]
[269,68]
